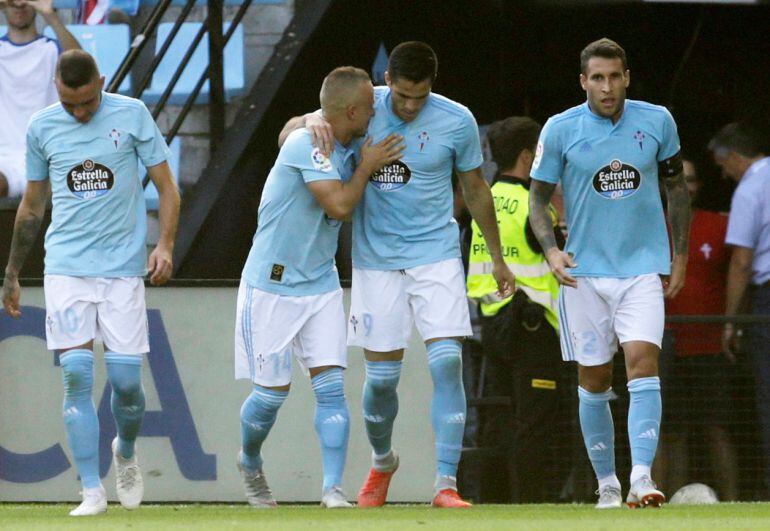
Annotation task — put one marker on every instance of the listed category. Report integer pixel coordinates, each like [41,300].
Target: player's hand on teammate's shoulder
[383,152]
[11,295]
[506,281]
[560,262]
[321,133]
[160,265]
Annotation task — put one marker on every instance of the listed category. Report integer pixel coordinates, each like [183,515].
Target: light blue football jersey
[405,218]
[99,220]
[295,243]
[609,175]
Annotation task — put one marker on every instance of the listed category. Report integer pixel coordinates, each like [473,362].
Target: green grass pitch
[733,516]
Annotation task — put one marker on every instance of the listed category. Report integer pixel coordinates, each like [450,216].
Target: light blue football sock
[332,424]
[598,430]
[80,420]
[258,415]
[447,409]
[125,375]
[380,403]
[644,412]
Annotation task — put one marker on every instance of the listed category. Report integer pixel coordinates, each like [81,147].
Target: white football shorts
[79,309]
[385,304]
[602,311]
[270,328]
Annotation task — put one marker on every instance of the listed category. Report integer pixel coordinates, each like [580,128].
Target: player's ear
[627,76]
[101,83]
[583,80]
[387,78]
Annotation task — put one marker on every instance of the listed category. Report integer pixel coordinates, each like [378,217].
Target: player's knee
[127,387]
[77,375]
[595,379]
[643,368]
[382,377]
[447,369]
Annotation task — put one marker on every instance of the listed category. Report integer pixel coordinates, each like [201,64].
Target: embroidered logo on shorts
[617,180]
[276,274]
[90,179]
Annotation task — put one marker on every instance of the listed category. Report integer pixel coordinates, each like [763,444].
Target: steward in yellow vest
[519,334]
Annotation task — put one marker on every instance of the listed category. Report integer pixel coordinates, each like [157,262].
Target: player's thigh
[585,324]
[437,299]
[122,315]
[70,311]
[321,340]
[265,328]
[380,320]
[640,310]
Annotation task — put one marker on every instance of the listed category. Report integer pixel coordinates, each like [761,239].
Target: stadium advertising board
[191,432]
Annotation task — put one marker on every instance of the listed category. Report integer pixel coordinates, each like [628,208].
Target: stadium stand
[108,43]
[233,65]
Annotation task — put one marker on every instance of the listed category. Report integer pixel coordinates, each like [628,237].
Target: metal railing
[214,72]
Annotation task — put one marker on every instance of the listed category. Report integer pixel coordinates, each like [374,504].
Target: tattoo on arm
[24,236]
[539,217]
[678,212]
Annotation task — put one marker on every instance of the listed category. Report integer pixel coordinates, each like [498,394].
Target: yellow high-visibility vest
[533,275]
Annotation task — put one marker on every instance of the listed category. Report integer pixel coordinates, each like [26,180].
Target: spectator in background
[95,12]
[695,375]
[27,67]
[518,333]
[737,149]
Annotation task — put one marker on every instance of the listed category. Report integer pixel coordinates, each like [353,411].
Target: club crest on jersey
[115,137]
[617,180]
[391,177]
[320,161]
[90,179]
[423,138]
[639,137]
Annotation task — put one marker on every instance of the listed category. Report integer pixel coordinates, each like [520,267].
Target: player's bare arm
[160,264]
[29,217]
[321,133]
[540,193]
[679,219]
[480,204]
[45,7]
[738,278]
[338,198]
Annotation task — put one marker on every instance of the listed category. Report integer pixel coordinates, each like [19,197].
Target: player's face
[362,111]
[605,83]
[20,15]
[82,102]
[731,164]
[407,96]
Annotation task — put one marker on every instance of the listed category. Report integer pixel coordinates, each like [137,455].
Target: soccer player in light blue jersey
[86,150]
[290,300]
[406,261]
[609,154]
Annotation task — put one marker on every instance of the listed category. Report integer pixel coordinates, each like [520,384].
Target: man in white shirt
[27,65]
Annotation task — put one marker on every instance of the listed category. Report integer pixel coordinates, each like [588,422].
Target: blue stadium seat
[233,65]
[151,193]
[108,43]
[65,4]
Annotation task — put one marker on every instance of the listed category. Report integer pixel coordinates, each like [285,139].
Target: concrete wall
[191,432]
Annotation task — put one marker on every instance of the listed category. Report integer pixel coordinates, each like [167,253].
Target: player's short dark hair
[76,68]
[509,137]
[738,137]
[605,48]
[340,84]
[414,61]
